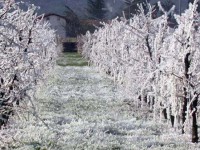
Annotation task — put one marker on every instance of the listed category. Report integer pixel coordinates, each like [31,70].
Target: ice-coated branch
[24,58]
[152,61]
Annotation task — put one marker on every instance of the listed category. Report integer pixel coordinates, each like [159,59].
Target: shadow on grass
[71,59]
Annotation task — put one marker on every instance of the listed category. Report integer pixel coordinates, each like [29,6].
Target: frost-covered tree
[183,64]
[24,57]
[157,66]
[192,1]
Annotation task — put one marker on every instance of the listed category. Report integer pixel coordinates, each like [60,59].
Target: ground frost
[84,110]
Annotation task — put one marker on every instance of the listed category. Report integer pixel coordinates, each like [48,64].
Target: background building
[58,23]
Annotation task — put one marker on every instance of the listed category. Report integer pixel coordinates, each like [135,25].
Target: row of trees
[27,51]
[158,66]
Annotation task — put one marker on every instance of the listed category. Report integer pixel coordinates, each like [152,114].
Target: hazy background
[79,6]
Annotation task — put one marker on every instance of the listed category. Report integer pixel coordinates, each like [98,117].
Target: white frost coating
[149,59]
[86,110]
[27,52]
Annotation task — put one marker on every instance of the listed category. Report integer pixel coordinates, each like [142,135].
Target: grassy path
[80,109]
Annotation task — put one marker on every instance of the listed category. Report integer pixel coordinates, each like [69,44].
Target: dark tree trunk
[172,120]
[185,100]
[164,112]
[194,103]
[194,122]
[184,109]
[148,47]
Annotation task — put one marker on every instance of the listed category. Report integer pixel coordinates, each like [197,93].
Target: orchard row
[27,52]
[158,66]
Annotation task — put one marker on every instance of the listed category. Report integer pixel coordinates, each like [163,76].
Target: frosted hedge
[158,66]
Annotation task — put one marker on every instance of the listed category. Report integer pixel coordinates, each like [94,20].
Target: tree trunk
[164,112]
[184,109]
[194,122]
[172,120]
[185,100]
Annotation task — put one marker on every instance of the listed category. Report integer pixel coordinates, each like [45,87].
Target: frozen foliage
[82,109]
[27,52]
[158,66]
